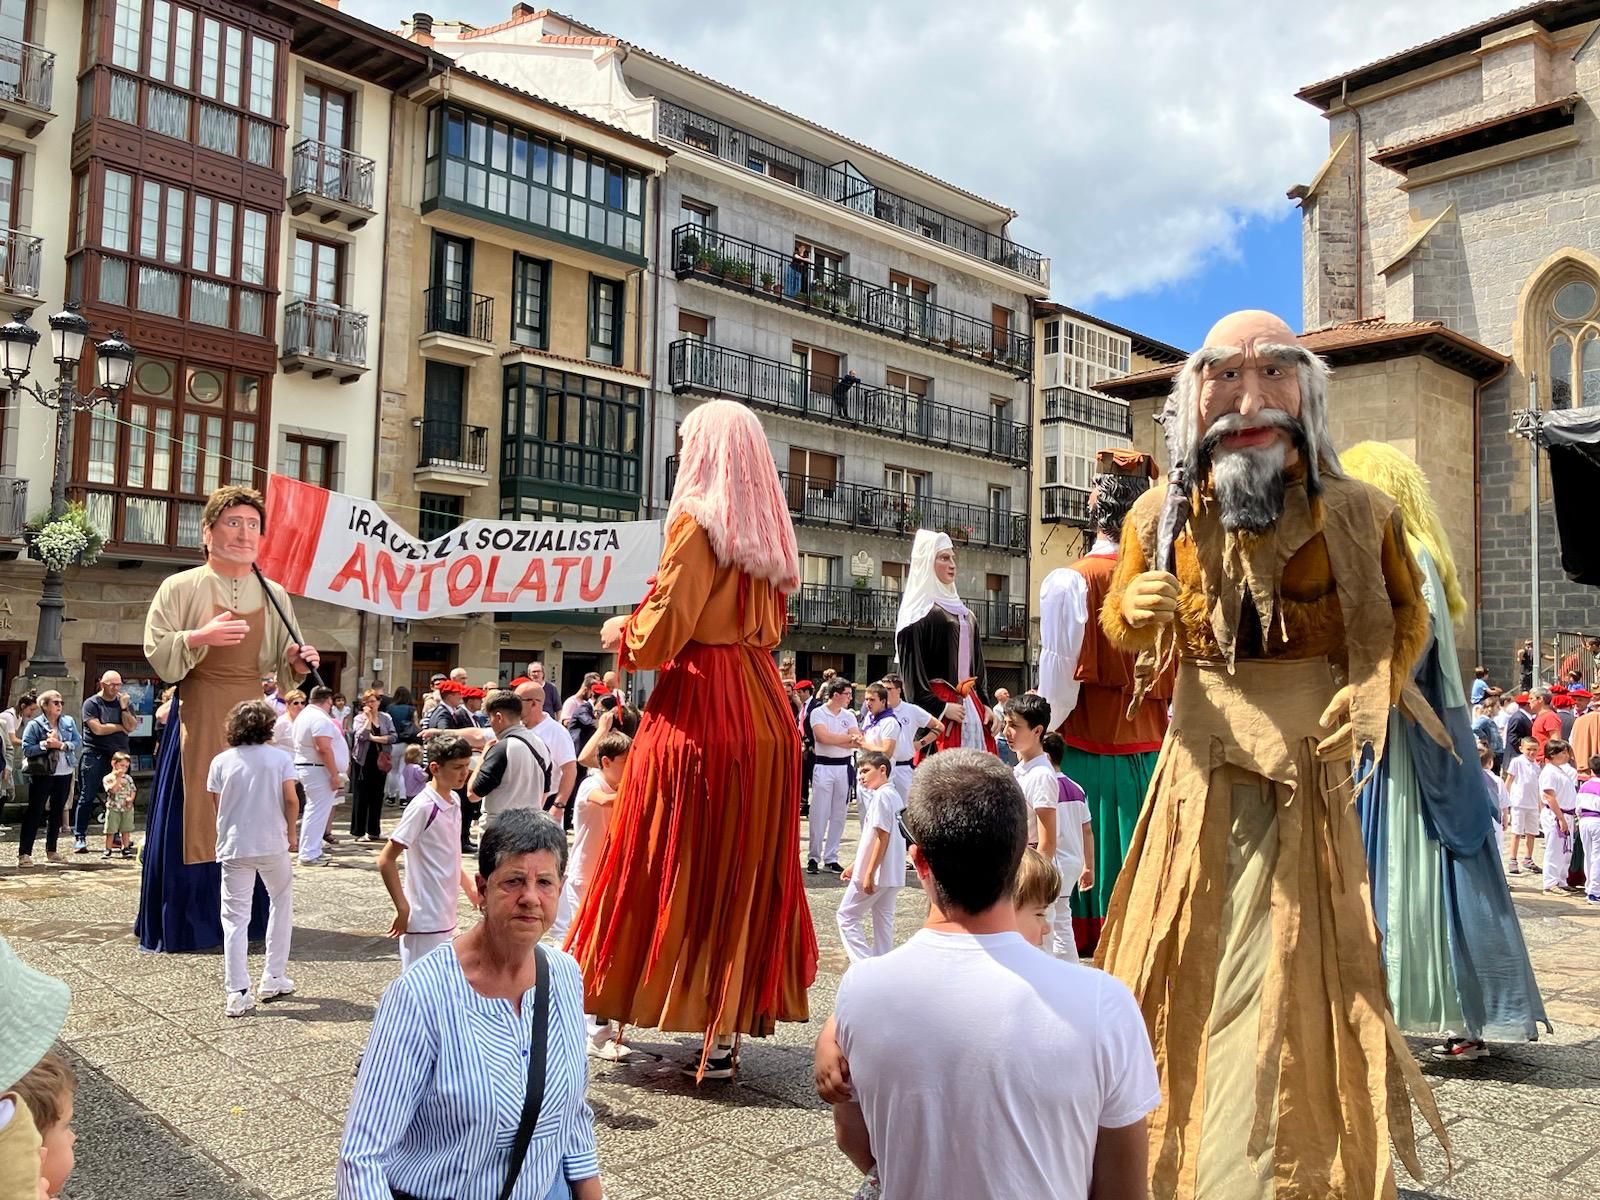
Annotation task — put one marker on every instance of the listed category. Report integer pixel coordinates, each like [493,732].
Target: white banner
[345,550]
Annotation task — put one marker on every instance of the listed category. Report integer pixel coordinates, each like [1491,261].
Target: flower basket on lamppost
[65,536]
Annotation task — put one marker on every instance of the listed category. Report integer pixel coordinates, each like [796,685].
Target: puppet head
[927,582]
[728,483]
[1120,478]
[1395,475]
[1247,406]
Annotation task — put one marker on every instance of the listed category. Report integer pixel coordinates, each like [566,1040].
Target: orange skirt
[695,919]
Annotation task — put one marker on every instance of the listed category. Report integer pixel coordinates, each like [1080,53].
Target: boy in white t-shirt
[1558,784]
[1522,781]
[1074,848]
[257,810]
[429,836]
[874,880]
[1026,719]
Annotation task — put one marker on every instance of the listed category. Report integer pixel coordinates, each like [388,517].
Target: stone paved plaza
[176,1100]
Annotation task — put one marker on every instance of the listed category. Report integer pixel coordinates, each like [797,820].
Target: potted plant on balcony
[704,259]
[851,311]
[740,272]
[960,534]
[688,252]
[768,283]
[68,541]
[861,583]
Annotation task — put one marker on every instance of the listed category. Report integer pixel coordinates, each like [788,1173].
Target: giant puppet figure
[1452,946]
[940,647]
[695,919]
[1241,920]
[214,631]
[1089,683]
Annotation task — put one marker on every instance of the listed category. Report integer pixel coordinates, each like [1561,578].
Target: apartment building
[877,318]
[212,189]
[515,370]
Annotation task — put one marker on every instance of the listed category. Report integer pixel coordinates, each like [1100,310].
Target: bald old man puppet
[1241,921]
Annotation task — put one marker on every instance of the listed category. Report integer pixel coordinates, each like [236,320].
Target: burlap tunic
[1242,921]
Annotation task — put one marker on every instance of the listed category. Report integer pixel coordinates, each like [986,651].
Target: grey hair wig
[1180,417]
[518,831]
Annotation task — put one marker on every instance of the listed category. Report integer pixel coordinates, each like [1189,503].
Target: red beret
[519,681]
[804,683]
[473,693]
[448,687]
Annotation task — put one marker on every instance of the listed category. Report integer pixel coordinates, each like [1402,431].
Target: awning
[1573,438]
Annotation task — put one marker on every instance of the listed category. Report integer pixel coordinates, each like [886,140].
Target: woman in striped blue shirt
[440,1093]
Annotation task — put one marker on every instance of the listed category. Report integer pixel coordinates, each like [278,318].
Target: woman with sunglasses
[49,744]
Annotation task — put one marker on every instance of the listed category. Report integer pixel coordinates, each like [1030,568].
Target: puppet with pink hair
[695,919]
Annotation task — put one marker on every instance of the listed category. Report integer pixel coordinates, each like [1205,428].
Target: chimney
[331,3]
[422,29]
[519,11]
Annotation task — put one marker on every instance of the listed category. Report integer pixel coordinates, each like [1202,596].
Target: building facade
[1460,189]
[515,373]
[877,319]
[211,189]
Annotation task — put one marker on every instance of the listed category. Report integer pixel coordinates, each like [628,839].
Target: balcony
[153,290]
[331,184]
[872,611]
[708,370]
[829,504]
[449,452]
[1083,408]
[768,275]
[845,187]
[324,339]
[1063,504]
[20,256]
[457,325]
[27,76]
[13,506]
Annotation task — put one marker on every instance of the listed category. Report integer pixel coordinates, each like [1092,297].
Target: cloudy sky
[1147,144]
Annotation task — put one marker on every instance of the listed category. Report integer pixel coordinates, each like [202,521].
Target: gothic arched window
[1572,330]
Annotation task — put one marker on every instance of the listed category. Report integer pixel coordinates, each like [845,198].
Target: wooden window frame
[326,89]
[612,353]
[302,443]
[339,265]
[520,263]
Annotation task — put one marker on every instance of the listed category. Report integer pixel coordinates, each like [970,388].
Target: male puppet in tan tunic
[1241,920]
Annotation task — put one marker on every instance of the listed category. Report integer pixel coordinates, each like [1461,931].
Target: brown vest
[1099,724]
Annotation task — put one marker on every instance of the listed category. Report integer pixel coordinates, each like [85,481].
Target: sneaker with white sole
[608,1051]
[271,988]
[239,1003]
[1460,1049]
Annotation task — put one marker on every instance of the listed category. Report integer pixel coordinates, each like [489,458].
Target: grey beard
[1250,487]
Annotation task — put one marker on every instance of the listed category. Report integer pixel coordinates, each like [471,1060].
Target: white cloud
[1134,137]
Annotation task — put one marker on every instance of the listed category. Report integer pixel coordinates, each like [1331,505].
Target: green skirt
[1114,786]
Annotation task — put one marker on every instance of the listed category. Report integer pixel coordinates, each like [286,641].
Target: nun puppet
[939,647]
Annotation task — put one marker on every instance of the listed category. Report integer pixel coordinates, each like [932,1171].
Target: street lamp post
[113,369]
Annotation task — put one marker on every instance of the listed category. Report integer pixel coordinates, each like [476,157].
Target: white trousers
[414,945]
[1557,849]
[566,909]
[319,807]
[900,780]
[1065,944]
[854,910]
[830,801]
[238,887]
[1589,832]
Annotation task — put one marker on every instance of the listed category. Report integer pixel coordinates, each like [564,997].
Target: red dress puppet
[696,919]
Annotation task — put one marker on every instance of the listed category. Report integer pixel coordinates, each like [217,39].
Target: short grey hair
[1543,695]
[519,831]
[1180,417]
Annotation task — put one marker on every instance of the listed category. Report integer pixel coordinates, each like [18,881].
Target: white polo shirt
[1037,779]
[559,742]
[248,783]
[311,724]
[884,730]
[430,830]
[912,717]
[842,723]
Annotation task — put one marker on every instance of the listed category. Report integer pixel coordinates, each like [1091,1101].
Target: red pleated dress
[695,919]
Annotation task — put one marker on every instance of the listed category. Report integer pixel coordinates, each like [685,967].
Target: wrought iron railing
[20,258]
[452,445]
[13,506]
[1063,502]
[326,331]
[333,173]
[892,513]
[774,276]
[1081,408]
[27,74]
[449,308]
[697,366]
[846,188]
[874,610]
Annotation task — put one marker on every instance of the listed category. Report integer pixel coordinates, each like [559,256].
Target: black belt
[832,762]
[906,762]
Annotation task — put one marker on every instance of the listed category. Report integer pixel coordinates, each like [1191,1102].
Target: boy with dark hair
[874,880]
[1044,1064]
[1027,717]
[429,835]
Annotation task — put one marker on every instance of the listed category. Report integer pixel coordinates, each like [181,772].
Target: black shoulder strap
[538,1050]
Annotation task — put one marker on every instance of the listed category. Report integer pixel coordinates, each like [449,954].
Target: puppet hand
[953,712]
[1152,596]
[304,658]
[1339,743]
[224,629]
[611,633]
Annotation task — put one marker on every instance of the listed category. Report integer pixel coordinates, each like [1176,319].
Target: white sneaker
[271,988]
[240,1003]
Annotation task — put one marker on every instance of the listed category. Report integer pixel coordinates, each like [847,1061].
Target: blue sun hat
[32,1009]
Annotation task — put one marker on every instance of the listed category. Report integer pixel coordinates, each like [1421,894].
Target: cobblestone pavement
[178,1101]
